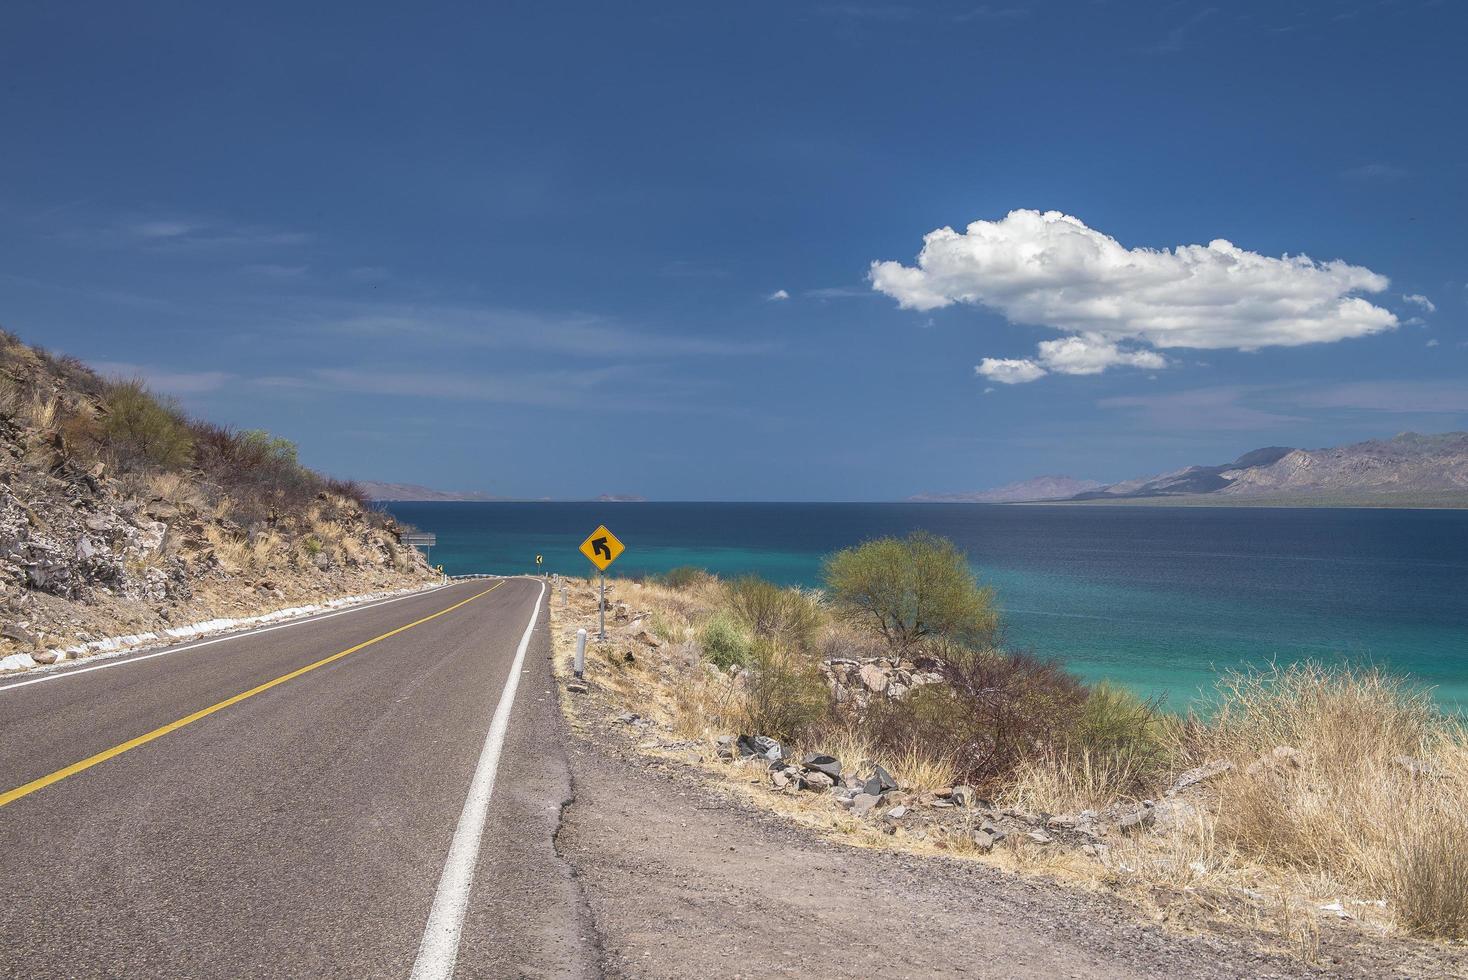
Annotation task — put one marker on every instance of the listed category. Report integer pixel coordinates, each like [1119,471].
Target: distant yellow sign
[601,547]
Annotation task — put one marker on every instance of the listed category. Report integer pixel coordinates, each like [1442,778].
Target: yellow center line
[12,795]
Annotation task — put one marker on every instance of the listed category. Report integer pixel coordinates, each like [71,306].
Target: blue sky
[560,250]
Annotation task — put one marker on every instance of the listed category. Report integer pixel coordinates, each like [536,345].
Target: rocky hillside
[1407,470]
[118,514]
[1407,464]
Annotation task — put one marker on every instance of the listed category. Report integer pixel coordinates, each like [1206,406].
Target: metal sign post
[601,548]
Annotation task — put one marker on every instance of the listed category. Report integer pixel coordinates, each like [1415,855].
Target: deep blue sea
[1159,599]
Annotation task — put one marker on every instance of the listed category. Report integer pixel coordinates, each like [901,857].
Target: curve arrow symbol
[599,546]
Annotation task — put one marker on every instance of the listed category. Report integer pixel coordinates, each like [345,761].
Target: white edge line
[123,660]
[440,947]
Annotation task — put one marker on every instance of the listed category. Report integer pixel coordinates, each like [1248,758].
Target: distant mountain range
[1408,470]
[412,491]
[1040,488]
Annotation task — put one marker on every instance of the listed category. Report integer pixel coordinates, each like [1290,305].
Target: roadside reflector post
[602,610]
[580,654]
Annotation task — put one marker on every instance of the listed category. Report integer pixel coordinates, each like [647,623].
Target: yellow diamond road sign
[601,547]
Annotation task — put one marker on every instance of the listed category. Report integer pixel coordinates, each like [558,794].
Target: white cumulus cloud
[1421,301]
[778,295]
[1050,270]
[1009,371]
[1083,354]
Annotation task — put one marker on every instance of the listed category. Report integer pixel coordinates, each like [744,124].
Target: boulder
[873,678]
[17,661]
[827,764]
[879,782]
[815,779]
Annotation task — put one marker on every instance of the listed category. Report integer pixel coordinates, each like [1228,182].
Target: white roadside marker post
[580,654]
[601,633]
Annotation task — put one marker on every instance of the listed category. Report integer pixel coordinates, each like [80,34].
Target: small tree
[909,590]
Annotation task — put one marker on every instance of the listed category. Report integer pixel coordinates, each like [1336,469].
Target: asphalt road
[316,826]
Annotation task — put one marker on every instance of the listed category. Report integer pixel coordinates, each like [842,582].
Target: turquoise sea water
[1159,599]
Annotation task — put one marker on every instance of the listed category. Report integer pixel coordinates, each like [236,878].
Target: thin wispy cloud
[840,292]
[612,388]
[1219,408]
[165,381]
[180,234]
[1261,407]
[586,335]
[1177,38]
[1375,171]
[1418,299]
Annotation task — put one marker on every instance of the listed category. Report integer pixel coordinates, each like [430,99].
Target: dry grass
[1055,781]
[1337,819]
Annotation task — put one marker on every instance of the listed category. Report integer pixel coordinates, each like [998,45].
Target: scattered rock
[1040,837]
[1200,774]
[1130,818]
[727,747]
[815,779]
[863,803]
[1172,815]
[880,782]
[984,840]
[896,813]
[826,764]
[873,678]
[576,687]
[760,747]
[963,796]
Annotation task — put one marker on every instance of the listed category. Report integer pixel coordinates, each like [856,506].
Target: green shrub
[909,590]
[785,697]
[724,643]
[772,613]
[684,577]
[1116,723]
[142,430]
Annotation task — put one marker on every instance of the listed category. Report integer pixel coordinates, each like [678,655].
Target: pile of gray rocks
[871,792]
